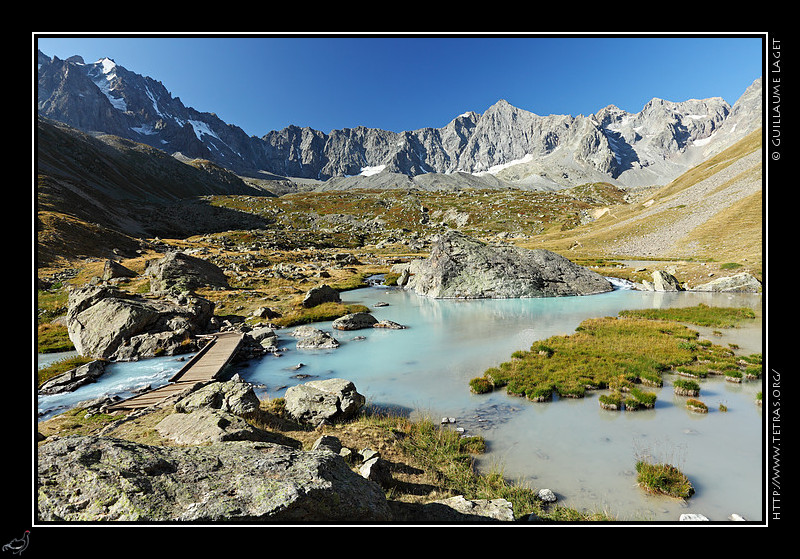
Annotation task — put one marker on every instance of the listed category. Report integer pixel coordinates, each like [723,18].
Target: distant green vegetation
[319,313]
[621,354]
[701,315]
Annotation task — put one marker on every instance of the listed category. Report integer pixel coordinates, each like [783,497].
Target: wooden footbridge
[205,366]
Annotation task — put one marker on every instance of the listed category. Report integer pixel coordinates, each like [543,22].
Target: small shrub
[481,385]
[733,376]
[696,406]
[540,394]
[683,387]
[646,399]
[664,479]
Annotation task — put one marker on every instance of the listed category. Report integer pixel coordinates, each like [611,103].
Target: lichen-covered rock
[104,479]
[234,396]
[461,267]
[208,425]
[330,400]
[354,321]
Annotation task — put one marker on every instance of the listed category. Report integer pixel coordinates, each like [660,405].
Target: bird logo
[18,545]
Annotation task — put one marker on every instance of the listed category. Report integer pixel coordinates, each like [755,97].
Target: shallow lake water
[584,454]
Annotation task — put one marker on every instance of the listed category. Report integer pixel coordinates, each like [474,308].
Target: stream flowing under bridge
[205,366]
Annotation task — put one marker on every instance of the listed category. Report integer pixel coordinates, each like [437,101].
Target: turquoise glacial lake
[584,454]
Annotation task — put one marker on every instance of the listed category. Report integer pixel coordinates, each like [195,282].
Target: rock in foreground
[96,478]
[462,267]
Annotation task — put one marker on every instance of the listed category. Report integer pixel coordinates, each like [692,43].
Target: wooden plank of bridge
[205,366]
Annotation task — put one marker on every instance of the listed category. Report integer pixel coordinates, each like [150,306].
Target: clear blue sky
[399,83]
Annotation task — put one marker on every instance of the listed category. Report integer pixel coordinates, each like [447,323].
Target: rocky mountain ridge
[503,147]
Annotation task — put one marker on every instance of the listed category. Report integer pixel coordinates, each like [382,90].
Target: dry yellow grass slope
[713,213]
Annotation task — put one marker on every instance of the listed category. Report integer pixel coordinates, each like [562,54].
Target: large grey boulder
[321,294]
[309,337]
[104,479]
[323,400]
[462,267]
[106,323]
[664,281]
[183,272]
[741,283]
[234,396]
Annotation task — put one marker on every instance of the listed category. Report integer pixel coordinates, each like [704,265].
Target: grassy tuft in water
[663,479]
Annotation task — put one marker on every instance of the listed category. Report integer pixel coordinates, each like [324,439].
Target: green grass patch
[701,315]
[52,338]
[602,353]
[621,354]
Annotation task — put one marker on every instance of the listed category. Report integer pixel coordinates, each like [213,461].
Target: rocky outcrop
[106,323]
[114,270]
[74,378]
[462,267]
[105,479]
[208,425]
[183,272]
[323,400]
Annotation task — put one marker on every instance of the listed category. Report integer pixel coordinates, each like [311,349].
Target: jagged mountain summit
[505,146]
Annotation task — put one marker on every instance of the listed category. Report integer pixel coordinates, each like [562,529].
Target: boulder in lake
[462,267]
[664,281]
[309,337]
[354,321]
